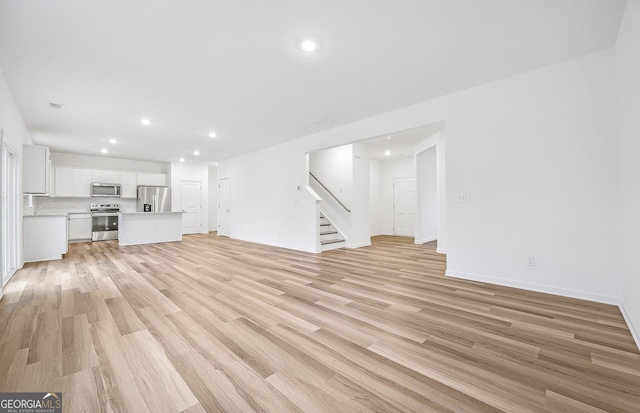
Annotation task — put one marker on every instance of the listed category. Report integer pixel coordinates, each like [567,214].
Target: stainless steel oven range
[104,220]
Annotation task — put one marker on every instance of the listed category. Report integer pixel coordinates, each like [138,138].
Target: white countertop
[46,214]
[147,213]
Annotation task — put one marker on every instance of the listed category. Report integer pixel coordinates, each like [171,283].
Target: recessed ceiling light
[212,134]
[388,137]
[104,150]
[196,153]
[309,45]
[181,159]
[113,141]
[146,122]
[387,153]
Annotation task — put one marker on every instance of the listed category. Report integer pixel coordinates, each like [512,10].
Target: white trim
[441,250]
[275,244]
[362,244]
[634,332]
[8,276]
[418,242]
[542,288]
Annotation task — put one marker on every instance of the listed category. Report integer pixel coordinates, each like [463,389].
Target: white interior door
[191,198]
[224,211]
[404,207]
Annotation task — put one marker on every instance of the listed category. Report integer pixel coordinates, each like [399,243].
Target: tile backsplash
[79,204]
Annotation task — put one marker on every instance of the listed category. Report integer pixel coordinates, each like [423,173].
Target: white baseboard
[422,241]
[362,244]
[277,244]
[635,333]
[542,288]
[441,250]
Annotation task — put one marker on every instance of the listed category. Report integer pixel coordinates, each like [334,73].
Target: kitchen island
[136,228]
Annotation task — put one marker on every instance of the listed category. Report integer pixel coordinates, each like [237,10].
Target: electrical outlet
[464,198]
[530,261]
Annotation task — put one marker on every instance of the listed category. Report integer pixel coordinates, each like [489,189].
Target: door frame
[13,217]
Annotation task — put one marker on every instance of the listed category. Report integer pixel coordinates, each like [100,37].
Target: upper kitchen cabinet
[36,170]
[73,182]
[152,179]
[105,177]
[129,182]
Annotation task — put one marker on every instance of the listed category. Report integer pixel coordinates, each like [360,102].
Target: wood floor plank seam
[213,324]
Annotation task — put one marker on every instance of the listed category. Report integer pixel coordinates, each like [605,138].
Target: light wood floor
[217,325]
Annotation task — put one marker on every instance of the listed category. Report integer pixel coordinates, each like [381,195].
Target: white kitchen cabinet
[113,177]
[63,181]
[73,182]
[36,176]
[152,179]
[82,183]
[105,177]
[129,182]
[45,237]
[76,182]
[80,227]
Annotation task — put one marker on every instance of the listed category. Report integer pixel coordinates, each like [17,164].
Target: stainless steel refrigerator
[153,199]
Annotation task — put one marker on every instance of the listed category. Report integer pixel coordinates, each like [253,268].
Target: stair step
[325,225]
[330,241]
[328,232]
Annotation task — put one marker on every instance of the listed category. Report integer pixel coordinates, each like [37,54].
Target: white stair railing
[335,211]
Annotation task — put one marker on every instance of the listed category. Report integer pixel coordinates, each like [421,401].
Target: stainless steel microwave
[106,190]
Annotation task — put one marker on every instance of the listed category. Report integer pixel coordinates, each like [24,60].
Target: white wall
[104,162]
[536,154]
[627,57]
[179,172]
[15,134]
[213,198]
[265,203]
[427,194]
[392,169]
[334,168]
[360,199]
[533,150]
[375,189]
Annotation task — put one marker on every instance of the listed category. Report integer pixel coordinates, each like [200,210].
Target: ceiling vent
[322,122]
[55,105]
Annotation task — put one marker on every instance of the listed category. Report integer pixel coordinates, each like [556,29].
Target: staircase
[330,237]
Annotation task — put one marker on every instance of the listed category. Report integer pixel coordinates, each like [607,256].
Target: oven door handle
[104,214]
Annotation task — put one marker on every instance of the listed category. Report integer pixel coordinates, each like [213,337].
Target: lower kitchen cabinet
[80,227]
[45,237]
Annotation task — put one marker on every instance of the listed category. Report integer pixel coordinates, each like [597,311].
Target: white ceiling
[400,144]
[235,66]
